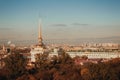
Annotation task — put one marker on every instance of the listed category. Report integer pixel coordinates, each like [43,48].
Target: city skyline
[73,19]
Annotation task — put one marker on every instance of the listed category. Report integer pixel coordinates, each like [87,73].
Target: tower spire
[39,30]
[40,33]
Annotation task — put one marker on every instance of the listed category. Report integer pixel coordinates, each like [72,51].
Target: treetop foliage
[60,67]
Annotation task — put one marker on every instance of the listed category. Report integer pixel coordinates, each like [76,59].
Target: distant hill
[86,40]
[66,41]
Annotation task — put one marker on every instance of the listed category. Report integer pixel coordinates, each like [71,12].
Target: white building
[95,55]
[38,48]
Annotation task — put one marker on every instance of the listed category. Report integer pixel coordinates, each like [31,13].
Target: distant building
[3,54]
[95,55]
[39,48]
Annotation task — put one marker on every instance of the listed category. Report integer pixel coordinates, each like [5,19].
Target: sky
[61,19]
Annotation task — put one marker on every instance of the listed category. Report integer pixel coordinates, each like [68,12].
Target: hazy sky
[61,19]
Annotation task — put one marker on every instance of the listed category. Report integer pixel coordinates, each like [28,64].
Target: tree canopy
[60,67]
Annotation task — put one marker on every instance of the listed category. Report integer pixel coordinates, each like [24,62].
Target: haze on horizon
[61,19]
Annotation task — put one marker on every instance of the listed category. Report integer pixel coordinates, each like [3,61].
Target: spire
[39,30]
[40,33]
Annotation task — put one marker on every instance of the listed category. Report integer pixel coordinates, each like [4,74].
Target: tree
[15,63]
[65,58]
[85,73]
[26,77]
[3,73]
[41,61]
[43,75]
[67,72]
[84,57]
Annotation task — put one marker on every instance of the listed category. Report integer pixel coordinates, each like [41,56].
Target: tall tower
[39,48]
[40,35]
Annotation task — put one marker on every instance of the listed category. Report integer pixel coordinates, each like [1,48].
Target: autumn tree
[85,73]
[15,63]
[67,72]
[41,61]
[101,71]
